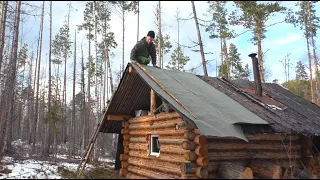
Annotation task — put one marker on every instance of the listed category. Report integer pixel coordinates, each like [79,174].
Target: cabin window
[154,145]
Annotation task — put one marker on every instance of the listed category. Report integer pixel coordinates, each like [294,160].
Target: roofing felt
[215,113]
[298,116]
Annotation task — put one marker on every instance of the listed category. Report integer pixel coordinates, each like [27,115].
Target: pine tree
[235,63]
[301,73]
[178,60]
[254,15]
[165,46]
[219,28]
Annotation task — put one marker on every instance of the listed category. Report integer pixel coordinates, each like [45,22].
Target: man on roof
[144,49]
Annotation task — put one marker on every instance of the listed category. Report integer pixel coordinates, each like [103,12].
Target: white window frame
[151,145]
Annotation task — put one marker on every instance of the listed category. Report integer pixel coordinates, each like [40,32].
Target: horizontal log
[139,146]
[123,172]
[201,151]
[135,176]
[202,161]
[150,173]
[196,131]
[156,117]
[215,156]
[162,124]
[166,167]
[168,140]
[252,146]
[125,143]
[139,139]
[188,168]
[124,164]
[124,157]
[200,140]
[186,134]
[188,176]
[189,145]
[163,156]
[165,131]
[124,131]
[175,149]
[202,172]
[126,137]
[115,117]
[250,137]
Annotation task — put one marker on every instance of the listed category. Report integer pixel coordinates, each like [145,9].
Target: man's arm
[133,51]
[153,55]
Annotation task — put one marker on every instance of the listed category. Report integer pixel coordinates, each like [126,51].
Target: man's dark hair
[151,34]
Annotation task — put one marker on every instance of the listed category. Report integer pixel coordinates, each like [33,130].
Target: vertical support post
[153,102]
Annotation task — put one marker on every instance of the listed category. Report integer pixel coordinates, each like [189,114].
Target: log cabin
[177,125]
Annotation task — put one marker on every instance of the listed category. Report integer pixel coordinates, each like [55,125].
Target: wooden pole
[153,102]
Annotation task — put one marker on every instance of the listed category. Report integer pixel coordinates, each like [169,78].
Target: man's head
[150,37]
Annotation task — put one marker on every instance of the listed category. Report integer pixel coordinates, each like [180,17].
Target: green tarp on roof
[216,113]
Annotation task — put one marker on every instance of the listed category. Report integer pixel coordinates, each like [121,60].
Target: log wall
[183,152]
[266,155]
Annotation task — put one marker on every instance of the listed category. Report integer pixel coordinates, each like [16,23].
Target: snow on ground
[34,169]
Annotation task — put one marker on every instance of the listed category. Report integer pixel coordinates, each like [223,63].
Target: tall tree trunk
[221,55]
[227,57]
[315,59]
[138,21]
[74,95]
[85,118]
[309,56]
[204,65]
[30,100]
[8,99]
[123,29]
[179,50]
[106,51]
[47,149]
[38,78]
[159,35]
[3,32]
[261,68]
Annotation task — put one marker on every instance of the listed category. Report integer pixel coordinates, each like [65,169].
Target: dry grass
[96,173]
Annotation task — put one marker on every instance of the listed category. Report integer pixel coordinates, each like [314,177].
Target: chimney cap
[252,54]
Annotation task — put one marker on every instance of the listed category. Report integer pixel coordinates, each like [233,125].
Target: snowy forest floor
[16,166]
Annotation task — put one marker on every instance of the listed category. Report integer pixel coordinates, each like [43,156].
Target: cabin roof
[221,107]
[283,110]
[209,110]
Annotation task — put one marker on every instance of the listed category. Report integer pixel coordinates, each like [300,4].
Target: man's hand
[156,66]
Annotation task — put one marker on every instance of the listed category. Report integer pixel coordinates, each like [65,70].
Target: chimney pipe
[256,73]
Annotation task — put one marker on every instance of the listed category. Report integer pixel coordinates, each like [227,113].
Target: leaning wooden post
[153,102]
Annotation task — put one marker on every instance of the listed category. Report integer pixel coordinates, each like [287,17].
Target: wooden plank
[115,117]
[162,124]
[150,173]
[215,156]
[157,117]
[153,164]
[250,137]
[135,176]
[252,146]
[175,158]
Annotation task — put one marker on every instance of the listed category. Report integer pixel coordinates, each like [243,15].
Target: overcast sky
[281,38]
